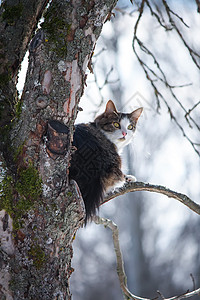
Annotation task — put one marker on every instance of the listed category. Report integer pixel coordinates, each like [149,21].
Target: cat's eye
[116,124]
[130,127]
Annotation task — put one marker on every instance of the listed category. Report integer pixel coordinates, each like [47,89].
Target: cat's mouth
[122,139]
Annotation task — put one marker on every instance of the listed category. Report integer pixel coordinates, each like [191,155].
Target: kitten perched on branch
[96,164]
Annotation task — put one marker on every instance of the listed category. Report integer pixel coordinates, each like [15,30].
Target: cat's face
[118,127]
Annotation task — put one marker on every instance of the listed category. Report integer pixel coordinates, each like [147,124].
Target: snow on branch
[141,186]
[120,264]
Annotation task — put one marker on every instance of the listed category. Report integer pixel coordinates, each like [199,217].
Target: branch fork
[141,186]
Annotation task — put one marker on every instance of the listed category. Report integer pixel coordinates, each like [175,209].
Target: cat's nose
[124,133]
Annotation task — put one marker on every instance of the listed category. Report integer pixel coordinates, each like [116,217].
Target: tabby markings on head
[118,127]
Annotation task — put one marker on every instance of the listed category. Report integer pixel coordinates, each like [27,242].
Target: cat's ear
[136,114]
[110,107]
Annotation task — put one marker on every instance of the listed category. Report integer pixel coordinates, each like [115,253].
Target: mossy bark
[18,20]
[40,210]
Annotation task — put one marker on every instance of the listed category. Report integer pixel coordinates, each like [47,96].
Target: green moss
[18,196]
[18,108]
[29,184]
[52,24]
[38,256]
[57,30]
[18,152]
[4,79]
[12,13]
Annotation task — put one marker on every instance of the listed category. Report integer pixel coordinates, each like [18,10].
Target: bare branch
[181,19]
[158,75]
[123,11]
[161,22]
[141,186]
[120,265]
[186,295]
[106,82]
[193,281]
[191,109]
[191,51]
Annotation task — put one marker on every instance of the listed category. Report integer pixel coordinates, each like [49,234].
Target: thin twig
[120,265]
[160,75]
[166,27]
[193,281]
[107,81]
[191,109]
[124,11]
[191,51]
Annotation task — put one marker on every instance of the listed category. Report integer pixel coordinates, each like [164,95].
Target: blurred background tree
[148,55]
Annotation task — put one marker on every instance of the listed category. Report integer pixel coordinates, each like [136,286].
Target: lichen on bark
[46,209]
[19,195]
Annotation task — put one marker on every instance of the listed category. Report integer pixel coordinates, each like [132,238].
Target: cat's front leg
[130,178]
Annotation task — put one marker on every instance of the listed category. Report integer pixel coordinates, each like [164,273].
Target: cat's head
[118,127]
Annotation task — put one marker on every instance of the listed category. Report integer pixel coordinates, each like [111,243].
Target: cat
[96,164]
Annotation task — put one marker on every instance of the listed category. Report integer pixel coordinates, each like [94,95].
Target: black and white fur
[96,164]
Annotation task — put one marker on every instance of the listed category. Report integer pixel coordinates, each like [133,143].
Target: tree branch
[158,76]
[120,265]
[141,186]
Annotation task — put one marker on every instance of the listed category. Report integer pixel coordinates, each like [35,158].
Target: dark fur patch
[105,121]
[95,165]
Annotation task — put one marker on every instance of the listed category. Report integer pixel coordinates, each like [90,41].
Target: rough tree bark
[40,211]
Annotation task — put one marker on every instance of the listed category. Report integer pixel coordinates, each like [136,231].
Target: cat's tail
[86,162]
[92,196]
[89,182]
[87,168]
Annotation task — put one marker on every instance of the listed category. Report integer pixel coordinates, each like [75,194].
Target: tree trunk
[40,211]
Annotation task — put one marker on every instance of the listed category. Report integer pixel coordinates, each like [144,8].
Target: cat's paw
[130,178]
